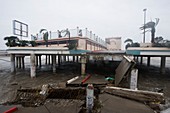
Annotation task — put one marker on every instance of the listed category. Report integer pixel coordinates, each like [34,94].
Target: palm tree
[45,36]
[11,41]
[131,43]
[151,25]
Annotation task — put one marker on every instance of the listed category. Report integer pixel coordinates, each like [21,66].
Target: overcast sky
[106,18]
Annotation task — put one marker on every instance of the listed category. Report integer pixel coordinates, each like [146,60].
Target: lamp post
[144,10]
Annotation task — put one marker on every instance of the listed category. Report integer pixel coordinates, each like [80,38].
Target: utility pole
[144,10]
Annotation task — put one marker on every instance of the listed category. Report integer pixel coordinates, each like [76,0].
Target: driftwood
[138,95]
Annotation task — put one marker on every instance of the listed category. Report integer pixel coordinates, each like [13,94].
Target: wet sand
[149,78]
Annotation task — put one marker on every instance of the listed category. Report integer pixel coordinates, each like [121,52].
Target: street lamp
[144,10]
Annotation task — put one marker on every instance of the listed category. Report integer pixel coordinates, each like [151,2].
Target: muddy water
[149,78]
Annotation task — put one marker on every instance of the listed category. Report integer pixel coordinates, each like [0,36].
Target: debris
[11,110]
[84,80]
[123,69]
[72,80]
[138,95]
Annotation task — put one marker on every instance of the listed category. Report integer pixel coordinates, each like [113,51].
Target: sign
[20,29]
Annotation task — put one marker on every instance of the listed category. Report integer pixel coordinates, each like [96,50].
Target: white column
[12,63]
[83,65]
[89,98]
[32,66]
[133,79]
[54,63]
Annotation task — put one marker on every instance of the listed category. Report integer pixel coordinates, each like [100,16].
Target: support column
[54,63]
[64,58]
[83,65]
[48,59]
[163,62]
[59,60]
[45,59]
[33,67]
[36,60]
[68,58]
[148,61]
[12,63]
[141,60]
[77,58]
[133,79]
[39,60]
[73,58]
[19,62]
[23,63]
[16,62]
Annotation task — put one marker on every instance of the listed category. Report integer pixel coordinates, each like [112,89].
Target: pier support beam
[83,65]
[59,60]
[54,63]
[36,60]
[12,63]
[46,59]
[163,62]
[33,67]
[23,63]
[16,62]
[141,60]
[148,61]
[39,60]
[49,59]
[19,62]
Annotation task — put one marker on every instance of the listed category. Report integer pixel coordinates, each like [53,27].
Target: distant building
[113,43]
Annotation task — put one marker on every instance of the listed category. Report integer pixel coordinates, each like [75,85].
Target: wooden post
[148,61]
[12,63]
[83,65]
[133,79]
[163,62]
[33,67]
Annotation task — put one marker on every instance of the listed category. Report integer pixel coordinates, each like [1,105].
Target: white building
[114,43]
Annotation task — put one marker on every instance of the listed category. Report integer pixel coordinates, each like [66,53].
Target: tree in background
[130,43]
[11,41]
[151,26]
[45,36]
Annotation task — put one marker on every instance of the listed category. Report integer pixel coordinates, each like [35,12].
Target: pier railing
[77,32]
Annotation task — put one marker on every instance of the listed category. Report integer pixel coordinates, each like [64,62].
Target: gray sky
[106,18]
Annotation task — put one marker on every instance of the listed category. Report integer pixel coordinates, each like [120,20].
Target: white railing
[74,33]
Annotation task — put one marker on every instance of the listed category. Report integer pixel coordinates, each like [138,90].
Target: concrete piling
[12,56]
[83,65]
[32,66]
[163,62]
[23,63]
[54,63]
[148,61]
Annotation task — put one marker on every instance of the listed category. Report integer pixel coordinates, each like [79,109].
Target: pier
[149,52]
